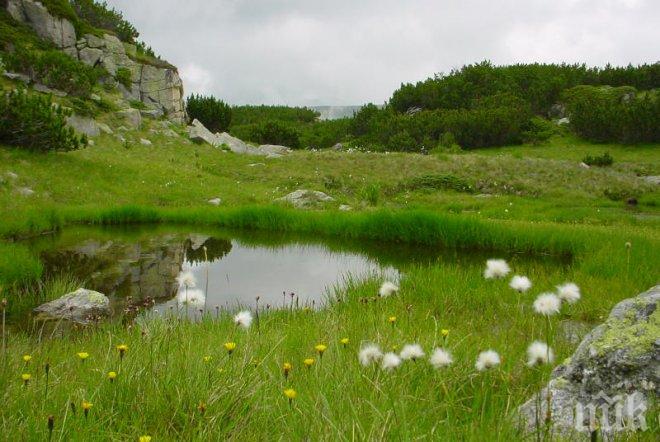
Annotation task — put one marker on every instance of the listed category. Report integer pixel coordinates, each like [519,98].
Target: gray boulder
[271,150]
[83,125]
[56,30]
[17,77]
[653,179]
[132,117]
[46,90]
[303,198]
[80,306]
[615,370]
[145,142]
[234,144]
[24,191]
[200,134]
[215,201]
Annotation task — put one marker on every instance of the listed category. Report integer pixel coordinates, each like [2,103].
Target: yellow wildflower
[123,348]
[308,362]
[445,332]
[320,349]
[86,406]
[207,359]
[144,439]
[344,342]
[82,355]
[26,378]
[112,376]
[230,347]
[27,358]
[287,369]
[391,319]
[290,393]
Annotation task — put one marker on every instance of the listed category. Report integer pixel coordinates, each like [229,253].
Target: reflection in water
[142,270]
[307,271]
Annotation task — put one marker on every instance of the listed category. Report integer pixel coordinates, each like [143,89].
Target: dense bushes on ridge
[34,123]
[604,114]
[213,113]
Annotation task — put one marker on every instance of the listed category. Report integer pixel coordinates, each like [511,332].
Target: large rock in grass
[54,29]
[302,198]
[613,376]
[200,134]
[81,306]
[84,125]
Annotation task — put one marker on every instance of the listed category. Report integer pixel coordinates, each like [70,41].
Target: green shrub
[125,77]
[213,113]
[269,132]
[242,115]
[603,160]
[34,123]
[603,114]
[539,130]
[100,15]
[54,69]
[324,134]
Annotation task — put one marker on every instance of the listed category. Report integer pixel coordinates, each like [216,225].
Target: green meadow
[177,381]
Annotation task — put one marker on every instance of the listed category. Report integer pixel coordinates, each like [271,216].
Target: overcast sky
[343,52]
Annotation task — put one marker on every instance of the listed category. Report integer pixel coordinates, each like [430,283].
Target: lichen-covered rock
[303,198]
[81,306]
[616,367]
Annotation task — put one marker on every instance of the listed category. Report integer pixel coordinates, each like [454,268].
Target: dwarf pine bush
[213,113]
[34,123]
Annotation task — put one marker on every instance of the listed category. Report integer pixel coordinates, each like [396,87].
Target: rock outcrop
[81,306]
[302,198]
[157,85]
[611,379]
[198,133]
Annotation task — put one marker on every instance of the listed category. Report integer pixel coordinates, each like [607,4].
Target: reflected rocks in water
[139,271]
[200,249]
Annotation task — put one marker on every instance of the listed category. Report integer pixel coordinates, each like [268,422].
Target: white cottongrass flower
[187,279]
[547,304]
[568,292]
[369,354]
[520,283]
[538,353]
[191,297]
[388,289]
[496,268]
[412,352]
[487,360]
[243,319]
[390,361]
[441,358]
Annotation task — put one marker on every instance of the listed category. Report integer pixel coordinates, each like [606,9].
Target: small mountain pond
[141,265]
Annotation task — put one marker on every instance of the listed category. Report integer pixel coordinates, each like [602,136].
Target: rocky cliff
[157,85]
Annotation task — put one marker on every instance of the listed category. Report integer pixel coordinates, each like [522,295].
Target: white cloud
[196,79]
[349,52]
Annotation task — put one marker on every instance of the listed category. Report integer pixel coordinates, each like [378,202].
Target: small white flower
[388,289]
[441,358]
[496,268]
[568,292]
[369,354]
[520,283]
[487,359]
[243,319]
[412,352]
[547,304]
[390,361]
[191,297]
[187,279]
[538,353]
